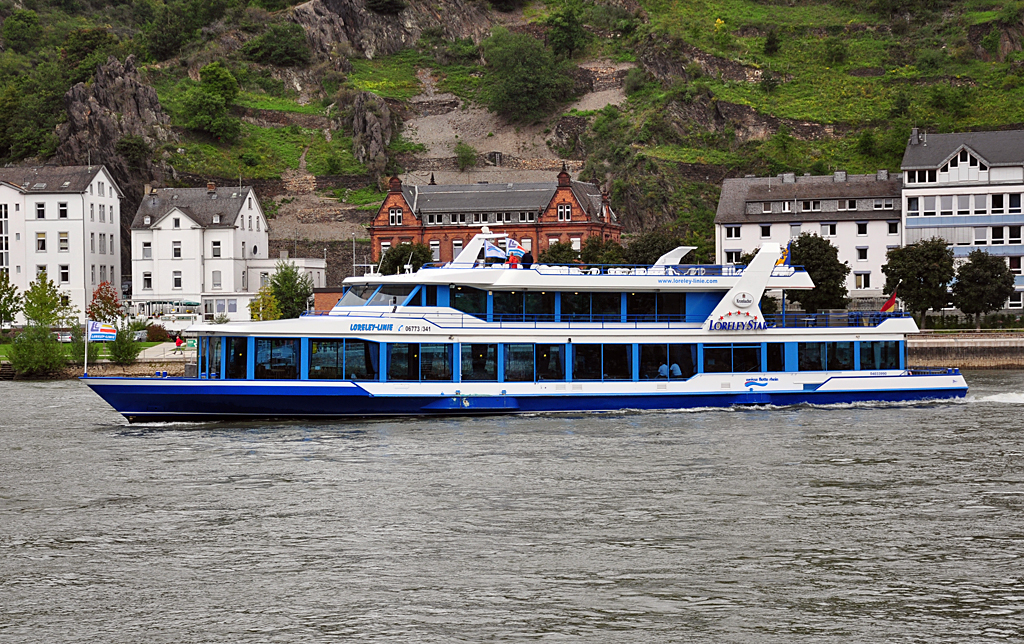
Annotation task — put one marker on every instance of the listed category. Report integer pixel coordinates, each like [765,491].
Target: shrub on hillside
[636,79]
[772,43]
[387,7]
[835,51]
[207,112]
[465,156]
[283,45]
[525,80]
[21,30]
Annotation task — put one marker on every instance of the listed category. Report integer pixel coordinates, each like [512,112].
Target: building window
[62,242]
[176,279]
[102,188]
[980,236]
[92,213]
[794,231]
[527,244]
[435,250]
[250,222]
[147,220]
[384,248]
[431,219]
[1016,301]
[997,235]
[257,224]
[963,205]
[810,206]
[929,206]
[1014,235]
[103,244]
[40,242]
[40,211]
[862,228]
[250,203]
[733,256]
[564,212]
[787,207]
[828,230]
[456,247]
[576,243]
[998,204]
[847,204]
[245,281]
[862,254]
[175,249]
[103,273]
[894,227]
[147,281]
[176,223]
[215,250]
[1015,265]
[946,205]
[980,204]
[147,250]
[766,206]
[62,211]
[508,218]
[92,272]
[522,217]
[40,270]
[552,241]
[862,280]
[65,273]
[913,206]
[264,279]
[216,279]
[395,217]
[103,213]
[766,231]
[111,244]
[1015,204]
[732,232]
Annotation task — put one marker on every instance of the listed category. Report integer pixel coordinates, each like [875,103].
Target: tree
[10,300]
[983,283]
[283,45]
[105,306]
[42,302]
[124,350]
[207,112]
[597,251]
[77,348]
[649,247]
[922,271]
[565,30]
[465,155]
[36,352]
[397,257]
[523,78]
[21,30]
[264,305]
[821,261]
[772,42]
[291,288]
[559,253]
[216,79]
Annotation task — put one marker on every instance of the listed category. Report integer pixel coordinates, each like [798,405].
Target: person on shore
[178,342]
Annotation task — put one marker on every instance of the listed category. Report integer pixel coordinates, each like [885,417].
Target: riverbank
[967,350]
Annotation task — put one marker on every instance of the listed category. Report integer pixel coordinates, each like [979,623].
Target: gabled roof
[994,148]
[737,193]
[496,197]
[72,179]
[198,204]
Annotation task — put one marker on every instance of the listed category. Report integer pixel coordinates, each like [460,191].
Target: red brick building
[536,215]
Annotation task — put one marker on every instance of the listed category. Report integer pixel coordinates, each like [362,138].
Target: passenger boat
[473,338]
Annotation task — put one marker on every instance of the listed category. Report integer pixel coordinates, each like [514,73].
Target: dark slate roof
[737,193]
[51,178]
[197,203]
[994,148]
[496,197]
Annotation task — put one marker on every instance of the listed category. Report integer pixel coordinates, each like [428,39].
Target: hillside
[658,99]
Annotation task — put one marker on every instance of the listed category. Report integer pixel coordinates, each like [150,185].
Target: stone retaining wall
[1003,351]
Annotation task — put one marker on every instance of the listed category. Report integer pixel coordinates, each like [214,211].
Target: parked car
[62,336]
[141,335]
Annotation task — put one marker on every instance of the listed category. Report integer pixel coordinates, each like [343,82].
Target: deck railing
[710,270]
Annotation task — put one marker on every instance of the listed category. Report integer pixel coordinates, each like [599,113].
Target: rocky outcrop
[372,126]
[341,28]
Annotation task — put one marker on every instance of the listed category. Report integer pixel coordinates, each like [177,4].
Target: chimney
[606,206]
[914,138]
[883,175]
[840,176]
[395,184]
[432,179]
[146,189]
[284,254]
[564,180]
[789,177]
[210,187]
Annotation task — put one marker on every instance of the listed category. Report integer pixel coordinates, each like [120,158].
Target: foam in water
[1008,398]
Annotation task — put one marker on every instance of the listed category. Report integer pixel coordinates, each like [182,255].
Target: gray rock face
[333,26]
[372,126]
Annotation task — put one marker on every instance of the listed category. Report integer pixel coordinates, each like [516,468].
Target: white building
[64,221]
[859,214]
[966,189]
[203,250]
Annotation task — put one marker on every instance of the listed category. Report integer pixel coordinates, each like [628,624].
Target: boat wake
[1008,398]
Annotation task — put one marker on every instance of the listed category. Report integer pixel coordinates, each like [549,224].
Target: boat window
[575,307]
[746,359]
[519,363]
[671,307]
[430,296]
[357,295]
[618,363]
[326,360]
[540,306]
[403,361]
[391,295]
[508,305]
[480,362]
[414,361]
[469,300]
[810,356]
[717,358]
[641,307]
[654,361]
[880,355]
[277,358]
[682,360]
[550,362]
[586,362]
[237,358]
[361,359]
[209,358]
[435,361]
[776,356]
[840,355]
[607,307]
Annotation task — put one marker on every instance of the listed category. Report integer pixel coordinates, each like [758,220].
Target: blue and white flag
[100,332]
[490,250]
[514,248]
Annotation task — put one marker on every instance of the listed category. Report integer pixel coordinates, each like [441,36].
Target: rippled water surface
[861,523]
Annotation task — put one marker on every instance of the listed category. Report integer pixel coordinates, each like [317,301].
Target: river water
[800,524]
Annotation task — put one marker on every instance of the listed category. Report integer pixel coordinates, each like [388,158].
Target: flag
[513,248]
[890,304]
[490,250]
[100,332]
[784,260]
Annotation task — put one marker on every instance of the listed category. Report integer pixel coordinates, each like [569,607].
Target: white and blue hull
[162,399]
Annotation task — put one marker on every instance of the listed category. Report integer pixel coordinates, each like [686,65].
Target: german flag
[890,304]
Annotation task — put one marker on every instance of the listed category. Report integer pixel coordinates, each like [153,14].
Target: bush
[636,80]
[524,80]
[955,101]
[1011,12]
[156,333]
[465,155]
[283,45]
[133,149]
[772,43]
[835,51]
[124,350]
[77,347]
[866,144]
[206,112]
[216,79]
[36,352]
[386,7]
[21,31]
[559,253]
[394,260]
[931,60]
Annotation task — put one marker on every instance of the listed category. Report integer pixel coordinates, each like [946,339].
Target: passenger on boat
[527,259]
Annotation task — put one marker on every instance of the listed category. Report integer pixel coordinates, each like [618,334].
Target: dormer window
[147,220]
[216,219]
